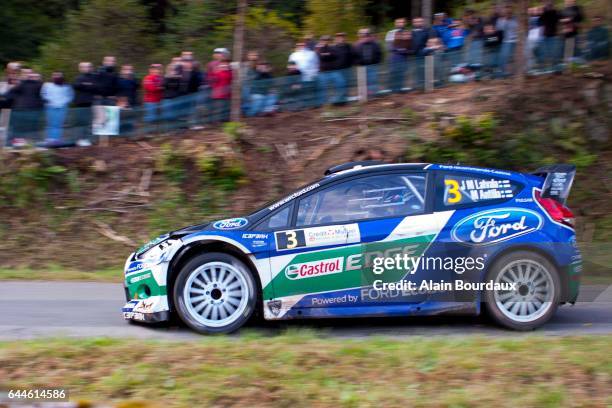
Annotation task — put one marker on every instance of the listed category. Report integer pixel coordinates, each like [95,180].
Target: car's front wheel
[535,296]
[215,293]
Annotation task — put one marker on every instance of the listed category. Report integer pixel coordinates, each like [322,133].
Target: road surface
[79,309]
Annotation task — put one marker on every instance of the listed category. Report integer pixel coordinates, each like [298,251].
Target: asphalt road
[77,309]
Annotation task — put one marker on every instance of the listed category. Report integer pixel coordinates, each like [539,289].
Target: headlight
[157,252]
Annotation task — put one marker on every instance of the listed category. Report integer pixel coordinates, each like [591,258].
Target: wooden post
[568,52]
[362,84]
[416,8]
[520,61]
[427,12]
[5,118]
[237,67]
[429,73]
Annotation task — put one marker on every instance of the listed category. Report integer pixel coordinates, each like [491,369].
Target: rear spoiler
[558,179]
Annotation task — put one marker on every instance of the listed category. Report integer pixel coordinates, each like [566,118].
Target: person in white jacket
[306,60]
[57,96]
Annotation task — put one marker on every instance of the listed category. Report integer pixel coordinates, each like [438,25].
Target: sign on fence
[105,120]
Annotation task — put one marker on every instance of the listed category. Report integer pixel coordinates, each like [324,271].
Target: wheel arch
[197,247]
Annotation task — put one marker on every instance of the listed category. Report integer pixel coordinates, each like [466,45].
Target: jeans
[328,80]
[506,56]
[398,68]
[551,52]
[491,61]
[169,109]
[55,122]
[475,52]
[372,79]
[220,110]
[261,104]
[151,111]
[83,119]
[418,72]
[26,124]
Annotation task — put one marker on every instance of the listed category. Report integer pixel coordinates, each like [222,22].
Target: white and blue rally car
[372,239]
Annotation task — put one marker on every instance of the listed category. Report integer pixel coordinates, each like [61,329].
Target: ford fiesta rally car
[372,239]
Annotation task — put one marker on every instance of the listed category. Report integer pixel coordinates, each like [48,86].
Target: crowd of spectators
[317,73]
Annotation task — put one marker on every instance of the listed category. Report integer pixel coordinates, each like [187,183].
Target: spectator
[307,62]
[508,25]
[474,26]
[435,47]
[107,81]
[127,86]
[221,91]
[27,105]
[172,89]
[492,44]
[571,19]
[401,48]
[291,88]
[263,100]
[440,25]
[549,21]
[455,39]
[400,25]
[249,72]
[368,54]
[329,76]
[191,81]
[219,55]
[598,40]
[57,96]
[420,35]
[153,86]
[12,79]
[85,91]
[344,61]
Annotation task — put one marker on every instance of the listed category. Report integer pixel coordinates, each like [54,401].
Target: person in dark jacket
[549,21]
[107,82]
[263,98]
[27,104]
[291,88]
[172,89]
[420,35]
[598,40]
[328,76]
[344,62]
[369,54]
[84,94]
[571,20]
[127,87]
[492,43]
[401,48]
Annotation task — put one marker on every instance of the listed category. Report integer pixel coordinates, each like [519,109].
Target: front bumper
[139,310]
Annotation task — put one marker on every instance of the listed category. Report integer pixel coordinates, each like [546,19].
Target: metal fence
[286,93]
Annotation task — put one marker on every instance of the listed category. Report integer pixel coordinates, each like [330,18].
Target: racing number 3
[454,194]
[290,239]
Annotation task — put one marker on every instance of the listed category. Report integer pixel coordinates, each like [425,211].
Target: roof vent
[352,165]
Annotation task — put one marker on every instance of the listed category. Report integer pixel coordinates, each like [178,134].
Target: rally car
[372,239]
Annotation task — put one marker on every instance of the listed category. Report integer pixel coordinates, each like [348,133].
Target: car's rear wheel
[535,297]
[215,293]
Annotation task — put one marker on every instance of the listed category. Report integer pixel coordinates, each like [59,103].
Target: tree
[238,51]
[332,16]
[100,28]
[519,57]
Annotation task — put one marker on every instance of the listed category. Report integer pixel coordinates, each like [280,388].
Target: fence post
[5,117]
[429,73]
[362,84]
[568,51]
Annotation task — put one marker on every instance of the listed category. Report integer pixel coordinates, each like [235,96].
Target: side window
[389,195]
[458,190]
[280,219]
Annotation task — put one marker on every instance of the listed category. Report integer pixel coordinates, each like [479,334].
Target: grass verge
[54,273]
[300,368]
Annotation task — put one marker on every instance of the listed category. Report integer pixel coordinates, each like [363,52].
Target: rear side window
[465,190]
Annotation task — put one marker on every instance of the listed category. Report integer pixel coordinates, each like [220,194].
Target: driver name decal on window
[318,236]
[466,189]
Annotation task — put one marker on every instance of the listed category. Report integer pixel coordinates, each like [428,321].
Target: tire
[536,298]
[215,293]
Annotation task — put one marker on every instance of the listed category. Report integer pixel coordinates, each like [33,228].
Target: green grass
[301,368]
[56,273]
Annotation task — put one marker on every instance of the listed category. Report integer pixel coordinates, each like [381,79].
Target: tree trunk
[520,64]
[238,51]
[416,8]
[427,11]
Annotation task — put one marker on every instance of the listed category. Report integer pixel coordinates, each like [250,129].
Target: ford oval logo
[231,223]
[488,227]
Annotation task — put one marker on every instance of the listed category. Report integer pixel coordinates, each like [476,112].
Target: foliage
[100,28]
[479,141]
[29,178]
[332,16]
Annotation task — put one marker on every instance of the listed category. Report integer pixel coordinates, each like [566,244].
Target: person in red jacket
[153,86]
[221,91]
